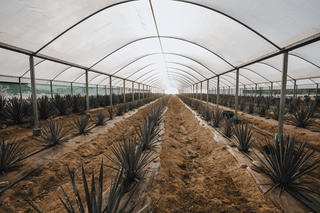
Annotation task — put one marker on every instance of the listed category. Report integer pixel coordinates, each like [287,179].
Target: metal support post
[51,89]
[142,91]
[201,90]
[271,89]
[207,92]
[317,90]
[20,89]
[132,91]
[36,130]
[196,91]
[139,90]
[105,90]
[110,85]
[124,91]
[87,93]
[255,93]
[283,94]
[237,93]
[294,89]
[218,90]
[97,90]
[71,88]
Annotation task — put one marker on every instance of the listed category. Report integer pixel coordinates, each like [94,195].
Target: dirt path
[198,176]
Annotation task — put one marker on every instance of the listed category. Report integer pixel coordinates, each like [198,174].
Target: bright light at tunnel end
[171,90]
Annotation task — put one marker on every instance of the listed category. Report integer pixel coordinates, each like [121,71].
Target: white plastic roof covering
[162,43]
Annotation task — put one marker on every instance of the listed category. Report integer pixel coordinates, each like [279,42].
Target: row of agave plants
[16,111]
[132,156]
[300,112]
[282,163]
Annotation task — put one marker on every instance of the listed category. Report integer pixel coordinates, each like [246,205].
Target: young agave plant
[17,110]
[250,108]
[216,118]
[148,134]
[62,104]
[95,199]
[302,117]
[53,133]
[120,110]
[45,108]
[207,114]
[243,136]
[263,109]
[101,119]
[284,166]
[10,155]
[227,130]
[275,111]
[110,111]
[133,161]
[82,124]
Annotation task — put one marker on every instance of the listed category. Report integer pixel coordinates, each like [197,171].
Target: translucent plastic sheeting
[14,64]
[310,52]
[220,34]
[300,68]
[48,70]
[103,33]
[283,22]
[70,74]
[261,70]
[32,24]
[82,78]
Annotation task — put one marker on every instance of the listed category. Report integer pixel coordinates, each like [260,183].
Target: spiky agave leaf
[110,111]
[243,136]
[251,107]
[284,166]
[101,119]
[10,155]
[120,110]
[303,117]
[45,108]
[148,134]
[53,133]
[216,118]
[81,124]
[227,130]
[130,158]
[17,110]
[62,104]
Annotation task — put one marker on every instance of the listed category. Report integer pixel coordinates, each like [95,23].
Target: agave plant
[302,117]
[81,123]
[17,110]
[216,118]
[110,111]
[242,105]
[284,166]
[133,161]
[78,104]
[251,107]
[120,110]
[101,119]
[62,104]
[263,109]
[10,155]
[53,133]
[243,136]
[3,102]
[94,199]
[227,129]
[155,114]
[207,114]
[45,108]
[148,134]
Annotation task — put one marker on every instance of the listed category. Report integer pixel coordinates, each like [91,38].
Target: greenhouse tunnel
[192,47]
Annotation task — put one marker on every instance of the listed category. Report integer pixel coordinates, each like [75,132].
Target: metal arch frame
[227,76]
[170,72]
[295,55]
[166,53]
[34,66]
[176,75]
[153,81]
[264,63]
[254,73]
[173,78]
[82,20]
[129,75]
[166,37]
[232,18]
[215,84]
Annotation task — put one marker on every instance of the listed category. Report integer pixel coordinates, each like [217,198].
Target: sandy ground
[271,126]
[198,176]
[43,187]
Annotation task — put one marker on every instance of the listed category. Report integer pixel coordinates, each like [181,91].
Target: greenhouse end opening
[171,91]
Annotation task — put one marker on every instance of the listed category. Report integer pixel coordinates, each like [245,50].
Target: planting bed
[198,176]
[42,187]
[267,128]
